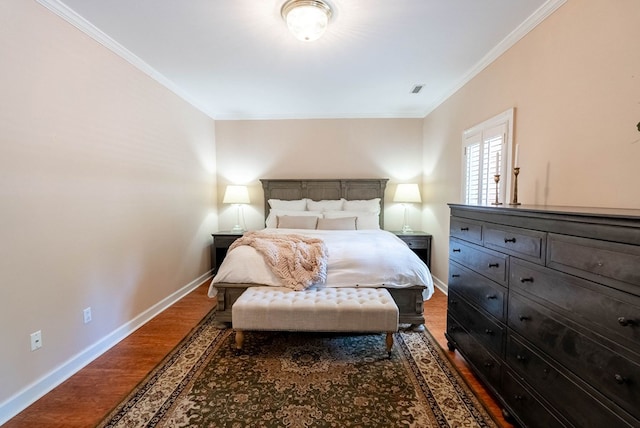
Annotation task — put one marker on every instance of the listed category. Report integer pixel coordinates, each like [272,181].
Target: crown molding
[321,116]
[522,30]
[60,9]
[63,11]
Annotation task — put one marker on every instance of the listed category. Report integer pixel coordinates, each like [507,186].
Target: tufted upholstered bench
[360,310]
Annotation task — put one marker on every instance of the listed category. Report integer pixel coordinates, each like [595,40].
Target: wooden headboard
[319,189]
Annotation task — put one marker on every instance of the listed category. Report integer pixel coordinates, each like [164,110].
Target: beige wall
[336,148]
[107,192]
[575,84]
[108,181]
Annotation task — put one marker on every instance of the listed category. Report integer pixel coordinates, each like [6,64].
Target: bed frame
[409,300]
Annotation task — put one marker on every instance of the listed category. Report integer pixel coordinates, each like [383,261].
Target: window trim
[505,118]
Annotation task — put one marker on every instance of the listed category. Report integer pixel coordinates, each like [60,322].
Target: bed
[409,296]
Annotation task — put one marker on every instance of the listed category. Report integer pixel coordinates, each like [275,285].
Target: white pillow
[369,205]
[364,220]
[272,219]
[368,221]
[297,222]
[325,205]
[343,223]
[295,205]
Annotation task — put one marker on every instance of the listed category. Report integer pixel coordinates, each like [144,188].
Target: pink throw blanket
[300,261]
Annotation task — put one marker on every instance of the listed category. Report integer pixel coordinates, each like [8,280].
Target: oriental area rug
[301,380]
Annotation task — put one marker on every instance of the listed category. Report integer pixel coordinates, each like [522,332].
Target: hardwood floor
[436,322]
[85,398]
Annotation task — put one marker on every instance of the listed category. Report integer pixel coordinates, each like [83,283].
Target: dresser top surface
[619,213]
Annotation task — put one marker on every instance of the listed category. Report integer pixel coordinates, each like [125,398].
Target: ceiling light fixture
[306,19]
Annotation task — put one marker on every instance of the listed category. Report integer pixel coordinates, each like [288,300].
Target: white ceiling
[235,59]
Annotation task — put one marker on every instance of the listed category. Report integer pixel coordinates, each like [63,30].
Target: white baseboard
[440,285]
[27,396]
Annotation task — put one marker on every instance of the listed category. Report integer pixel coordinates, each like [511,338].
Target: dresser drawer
[614,375]
[614,264]
[483,329]
[612,313]
[482,291]
[527,406]
[488,366]
[488,263]
[523,243]
[468,230]
[580,407]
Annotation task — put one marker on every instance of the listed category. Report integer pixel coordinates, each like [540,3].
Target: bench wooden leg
[239,339]
[389,342]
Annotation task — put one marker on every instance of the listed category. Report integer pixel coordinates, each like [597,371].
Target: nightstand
[420,243]
[221,242]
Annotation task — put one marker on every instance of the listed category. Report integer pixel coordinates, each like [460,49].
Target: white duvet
[357,258]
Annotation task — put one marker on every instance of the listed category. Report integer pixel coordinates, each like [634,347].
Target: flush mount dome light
[306,19]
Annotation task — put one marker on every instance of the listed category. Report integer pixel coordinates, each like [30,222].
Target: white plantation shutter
[473,179]
[485,155]
[492,156]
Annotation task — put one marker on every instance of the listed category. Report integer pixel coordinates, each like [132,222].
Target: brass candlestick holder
[496,178]
[516,171]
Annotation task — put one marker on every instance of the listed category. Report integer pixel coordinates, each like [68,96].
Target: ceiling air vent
[416,89]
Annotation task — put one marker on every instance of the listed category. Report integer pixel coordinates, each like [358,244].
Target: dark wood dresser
[544,304]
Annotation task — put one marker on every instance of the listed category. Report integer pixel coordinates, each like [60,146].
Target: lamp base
[237,229]
[407,229]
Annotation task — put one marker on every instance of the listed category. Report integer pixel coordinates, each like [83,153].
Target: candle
[517,162]
[498,163]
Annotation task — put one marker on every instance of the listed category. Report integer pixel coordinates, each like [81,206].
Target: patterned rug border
[473,402]
[154,375]
[219,337]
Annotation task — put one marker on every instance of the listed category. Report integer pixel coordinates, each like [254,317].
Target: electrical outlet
[36,340]
[86,313]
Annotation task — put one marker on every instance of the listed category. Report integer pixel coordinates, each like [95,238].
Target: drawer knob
[488,364]
[518,397]
[464,229]
[507,240]
[620,379]
[625,322]
[455,275]
[523,280]
[456,250]
[494,265]
[520,358]
[488,331]
[490,296]
[524,318]
[453,302]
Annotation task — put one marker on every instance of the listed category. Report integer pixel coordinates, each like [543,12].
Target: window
[486,153]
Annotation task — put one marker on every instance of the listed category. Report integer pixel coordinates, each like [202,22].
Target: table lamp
[237,195]
[407,194]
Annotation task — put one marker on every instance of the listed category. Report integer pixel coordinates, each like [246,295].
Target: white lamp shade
[407,193]
[236,195]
